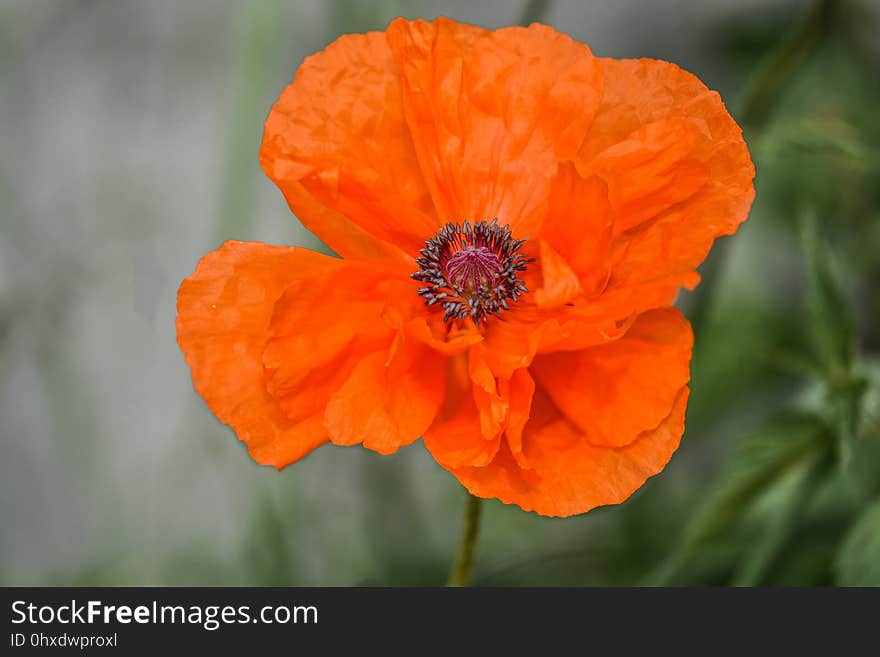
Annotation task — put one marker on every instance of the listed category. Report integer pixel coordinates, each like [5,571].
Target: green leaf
[781,445]
[844,400]
[832,325]
[870,429]
[792,501]
[858,561]
[834,338]
[784,444]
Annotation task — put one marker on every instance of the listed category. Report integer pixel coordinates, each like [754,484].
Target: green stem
[533,11]
[460,575]
[761,97]
[255,49]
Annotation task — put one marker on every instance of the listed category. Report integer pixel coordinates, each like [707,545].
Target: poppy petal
[521,391]
[491,402]
[652,168]
[457,436]
[681,169]
[337,145]
[480,409]
[456,441]
[579,227]
[492,113]
[387,402]
[340,339]
[567,474]
[224,312]
[291,347]
[560,283]
[614,392]
[512,340]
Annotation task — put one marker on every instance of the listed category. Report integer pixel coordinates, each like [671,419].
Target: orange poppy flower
[514,217]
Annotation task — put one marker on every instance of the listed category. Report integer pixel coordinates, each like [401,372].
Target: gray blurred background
[129,134]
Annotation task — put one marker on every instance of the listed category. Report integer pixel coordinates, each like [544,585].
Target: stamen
[472,270]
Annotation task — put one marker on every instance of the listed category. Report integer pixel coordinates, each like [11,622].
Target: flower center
[471,270]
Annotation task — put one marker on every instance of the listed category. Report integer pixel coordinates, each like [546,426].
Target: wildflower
[514,218]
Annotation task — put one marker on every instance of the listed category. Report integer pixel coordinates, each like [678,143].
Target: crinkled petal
[291,347]
[224,312]
[521,389]
[614,392]
[560,283]
[491,402]
[680,169]
[492,113]
[652,169]
[481,410]
[339,346]
[567,474]
[457,436]
[337,145]
[579,229]
[446,337]
[388,402]
[512,340]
